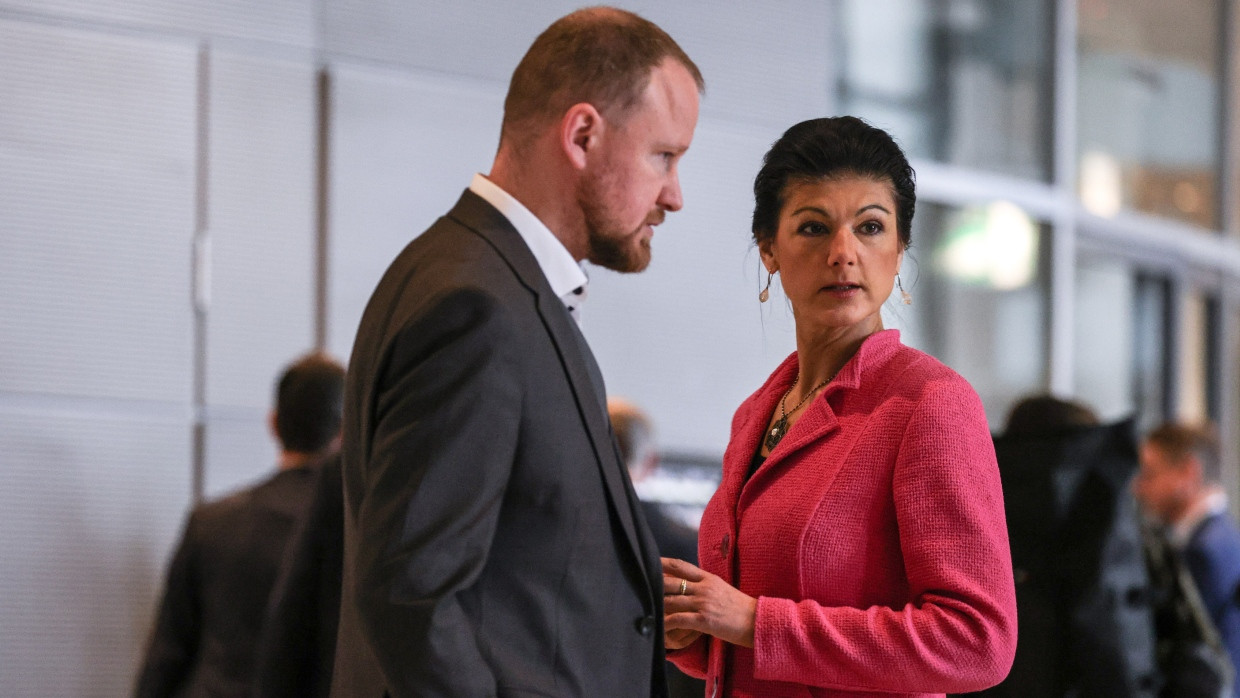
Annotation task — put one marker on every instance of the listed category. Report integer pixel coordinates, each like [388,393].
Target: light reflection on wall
[994,245]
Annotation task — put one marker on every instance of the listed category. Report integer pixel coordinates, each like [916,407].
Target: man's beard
[608,245]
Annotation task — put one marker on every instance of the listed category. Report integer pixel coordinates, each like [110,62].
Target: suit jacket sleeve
[959,633]
[174,640]
[692,659]
[445,416]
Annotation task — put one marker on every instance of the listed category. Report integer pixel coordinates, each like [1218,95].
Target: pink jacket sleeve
[959,632]
[692,659]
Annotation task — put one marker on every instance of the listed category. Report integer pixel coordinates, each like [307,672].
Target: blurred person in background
[1086,626]
[297,647]
[1179,486]
[635,437]
[856,544]
[205,636]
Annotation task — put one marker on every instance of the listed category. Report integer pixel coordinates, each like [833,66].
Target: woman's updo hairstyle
[826,148]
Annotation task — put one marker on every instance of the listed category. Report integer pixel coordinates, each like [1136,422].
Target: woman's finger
[684,621]
[682,569]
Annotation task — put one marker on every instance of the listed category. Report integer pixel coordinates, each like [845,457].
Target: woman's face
[837,251]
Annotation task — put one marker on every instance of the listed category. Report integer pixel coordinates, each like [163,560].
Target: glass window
[978,280]
[1120,350]
[1148,107]
[1198,398]
[965,82]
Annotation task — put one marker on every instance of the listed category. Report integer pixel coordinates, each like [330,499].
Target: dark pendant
[777,433]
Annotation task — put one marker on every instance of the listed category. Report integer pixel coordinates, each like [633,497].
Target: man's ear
[580,130]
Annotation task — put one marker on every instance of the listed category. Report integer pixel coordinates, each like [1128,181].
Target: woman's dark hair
[832,147]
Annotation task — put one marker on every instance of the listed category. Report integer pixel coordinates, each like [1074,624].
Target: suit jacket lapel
[476,214]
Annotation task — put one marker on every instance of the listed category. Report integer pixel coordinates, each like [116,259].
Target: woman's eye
[871,228]
[812,228]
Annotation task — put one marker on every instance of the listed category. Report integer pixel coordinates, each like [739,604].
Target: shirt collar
[1182,531]
[565,276]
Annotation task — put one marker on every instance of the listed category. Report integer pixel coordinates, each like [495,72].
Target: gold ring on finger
[684,586]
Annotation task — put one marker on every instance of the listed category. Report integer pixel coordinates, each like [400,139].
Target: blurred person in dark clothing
[203,642]
[298,643]
[1085,627]
[1179,486]
[635,437]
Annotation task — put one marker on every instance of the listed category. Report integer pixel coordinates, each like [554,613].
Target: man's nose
[670,198]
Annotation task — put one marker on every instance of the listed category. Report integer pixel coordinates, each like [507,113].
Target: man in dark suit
[297,648]
[493,543]
[204,639]
[1179,485]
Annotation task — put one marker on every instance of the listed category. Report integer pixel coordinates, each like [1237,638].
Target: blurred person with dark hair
[635,437]
[855,545]
[219,579]
[493,543]
[1082,589]
[1179,486]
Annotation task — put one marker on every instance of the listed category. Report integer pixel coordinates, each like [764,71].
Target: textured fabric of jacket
[873,537]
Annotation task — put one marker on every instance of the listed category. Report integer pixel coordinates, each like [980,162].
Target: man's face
[631,182]
[1164,488]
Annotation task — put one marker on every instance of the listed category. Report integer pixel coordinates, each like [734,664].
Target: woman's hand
[680,638]
[708,605]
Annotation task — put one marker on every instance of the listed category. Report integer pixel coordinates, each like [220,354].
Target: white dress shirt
[566,277]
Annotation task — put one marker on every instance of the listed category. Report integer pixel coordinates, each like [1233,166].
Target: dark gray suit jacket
[493,542]
[204,639]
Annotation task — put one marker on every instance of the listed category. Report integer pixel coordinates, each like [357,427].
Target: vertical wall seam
[202,279]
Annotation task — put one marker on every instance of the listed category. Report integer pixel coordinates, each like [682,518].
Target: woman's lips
[842,289]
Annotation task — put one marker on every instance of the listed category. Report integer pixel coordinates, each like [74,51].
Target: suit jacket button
[645,625]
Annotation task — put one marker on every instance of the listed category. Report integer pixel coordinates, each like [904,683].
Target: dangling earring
[905,297]
[765,294]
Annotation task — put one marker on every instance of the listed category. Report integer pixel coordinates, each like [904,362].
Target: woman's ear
[766,248]
[580,129]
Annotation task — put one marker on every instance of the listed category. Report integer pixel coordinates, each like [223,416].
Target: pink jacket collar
[819,419]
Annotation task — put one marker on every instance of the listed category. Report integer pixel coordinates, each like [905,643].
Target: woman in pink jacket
[856,545]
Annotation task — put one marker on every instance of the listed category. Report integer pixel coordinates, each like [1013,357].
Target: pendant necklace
[780,427]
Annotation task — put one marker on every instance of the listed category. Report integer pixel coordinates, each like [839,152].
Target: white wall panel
[687,339]
[402,151]
[763,62]
[89,511]
[474,37]
[261,223]
[96,214]
[240,450]
[283,21]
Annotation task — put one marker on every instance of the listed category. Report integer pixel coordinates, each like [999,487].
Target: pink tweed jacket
[873,538]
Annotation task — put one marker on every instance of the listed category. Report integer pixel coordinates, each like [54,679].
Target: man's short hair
[1041,415]
[599,55]
[634,433]
[1179,442]
[310,403]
